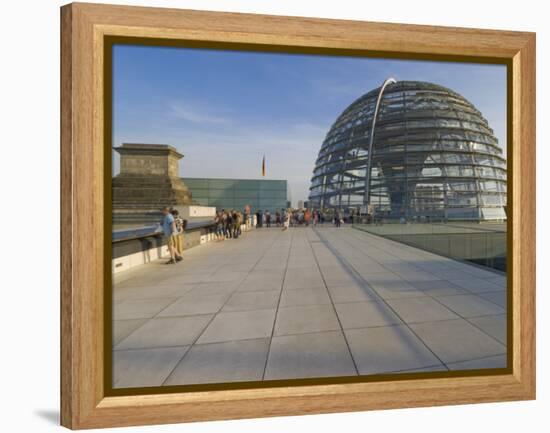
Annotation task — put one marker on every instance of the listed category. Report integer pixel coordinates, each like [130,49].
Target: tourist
[169,230]
[300,217]
[307,217]
[180,227]
[236,224]
[219,227]
[315,218]
[259,219]
[240,221]
[337,218]
[229,224]
[277,219]
[245,218]
[225,223]
[267,219]
[286,220]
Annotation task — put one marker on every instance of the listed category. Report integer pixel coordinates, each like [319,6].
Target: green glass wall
[237,193]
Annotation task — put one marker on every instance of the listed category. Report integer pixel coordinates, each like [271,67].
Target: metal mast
[366,198]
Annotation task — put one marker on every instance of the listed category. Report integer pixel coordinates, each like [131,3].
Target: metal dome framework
[433,156]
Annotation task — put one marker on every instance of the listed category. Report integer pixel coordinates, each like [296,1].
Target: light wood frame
[84,27]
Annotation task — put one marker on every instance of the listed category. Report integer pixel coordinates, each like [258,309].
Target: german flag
[263,166]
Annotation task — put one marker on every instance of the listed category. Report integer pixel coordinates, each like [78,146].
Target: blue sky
[225,109]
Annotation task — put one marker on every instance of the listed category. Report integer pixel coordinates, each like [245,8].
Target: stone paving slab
[300,278]
[232,361]
[365,315]
[226,288]
[322,354]
[470,305]
[457,340]
[145,367]
[389,348]
[151,291]
[477,285]
[438,288]
[195,303]
[431,368]
[498,280]
[261,282]
[351,293]
[123,328]
[140,308]
[303,297]
[166,332]
[306,319]
[304,303]
[240,325]
[497,361]
[498,298]
[422,309]
[243,301]
[492,325]
[396,291]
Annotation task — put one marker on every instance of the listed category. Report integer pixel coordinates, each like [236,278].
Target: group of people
[289,216]
[173,227]
[286,218]
[228,224]
[265,219]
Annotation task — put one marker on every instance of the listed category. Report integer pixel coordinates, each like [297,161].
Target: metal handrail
[156,230]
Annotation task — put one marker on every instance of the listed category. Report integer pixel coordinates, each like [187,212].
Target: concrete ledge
[139,250]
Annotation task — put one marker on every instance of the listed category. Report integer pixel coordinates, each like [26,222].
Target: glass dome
[433,156]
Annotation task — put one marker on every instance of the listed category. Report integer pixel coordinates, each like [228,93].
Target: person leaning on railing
[181,225]
[170,233]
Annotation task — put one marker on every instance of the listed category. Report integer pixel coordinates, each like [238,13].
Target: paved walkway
[304,303]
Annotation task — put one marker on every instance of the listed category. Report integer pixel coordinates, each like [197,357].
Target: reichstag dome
[412,150]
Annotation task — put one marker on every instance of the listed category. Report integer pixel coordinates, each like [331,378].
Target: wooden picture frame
[85,27]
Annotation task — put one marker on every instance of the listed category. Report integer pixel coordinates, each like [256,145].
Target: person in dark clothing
[267,219]
[259,219]
[229,225]
[337,219]
[236,228]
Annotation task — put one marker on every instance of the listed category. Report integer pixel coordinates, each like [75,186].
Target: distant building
[300,204]
[259,194]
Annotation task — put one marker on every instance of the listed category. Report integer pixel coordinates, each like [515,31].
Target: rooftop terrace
[304,303]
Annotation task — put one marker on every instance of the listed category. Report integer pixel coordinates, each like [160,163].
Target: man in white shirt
[170,233]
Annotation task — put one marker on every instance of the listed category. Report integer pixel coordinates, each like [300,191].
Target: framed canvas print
[267,216]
